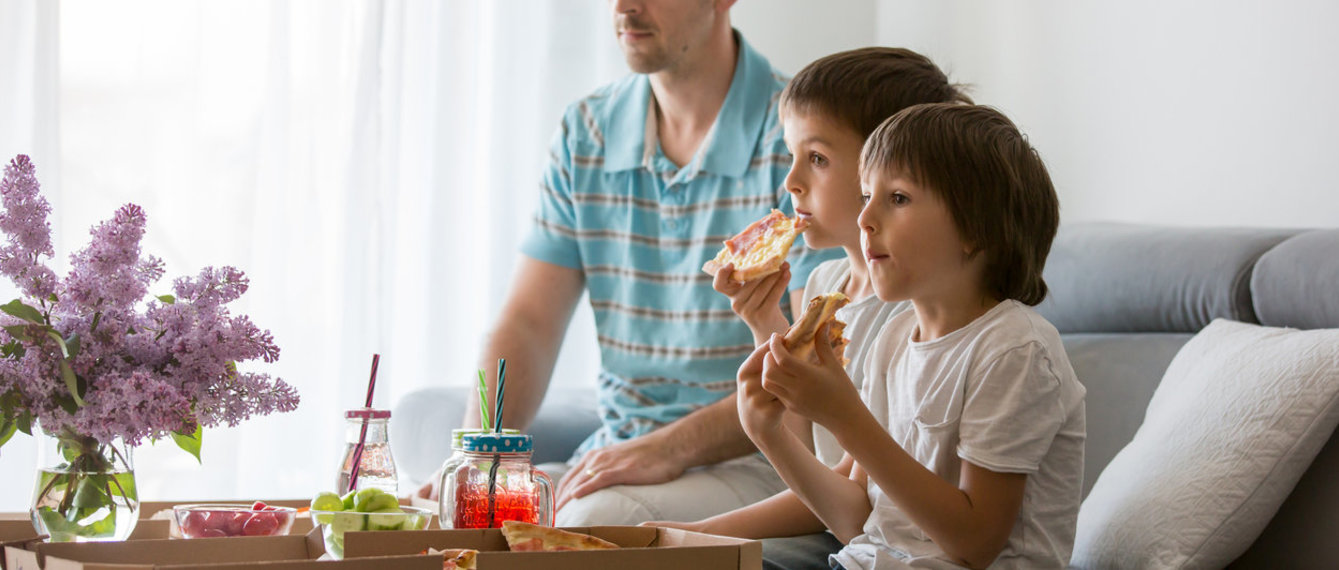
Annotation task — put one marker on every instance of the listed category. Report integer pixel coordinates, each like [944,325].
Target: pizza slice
[800,339]
[522,537]
[760,249]
[456,558]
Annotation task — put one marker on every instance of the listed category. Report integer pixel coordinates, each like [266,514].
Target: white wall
[1159,111]
[792,33]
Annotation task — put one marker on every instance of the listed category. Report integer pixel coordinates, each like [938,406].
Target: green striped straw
[483,402]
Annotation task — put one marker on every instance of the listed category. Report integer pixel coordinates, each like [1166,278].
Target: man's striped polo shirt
[639,227]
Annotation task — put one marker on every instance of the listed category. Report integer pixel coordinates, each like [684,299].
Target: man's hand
[760,412]
[757,302]
[640,461]
[820,392]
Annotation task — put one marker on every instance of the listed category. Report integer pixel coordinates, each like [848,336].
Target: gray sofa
[1125,298]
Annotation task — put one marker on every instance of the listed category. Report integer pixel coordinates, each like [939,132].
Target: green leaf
[167,299]
[71,382]
[19,332]
[90,494]
[13,349]
[53,298]
[25,312]
[190,443]
[72,344]
[8,426]
[25,422]
[64,350]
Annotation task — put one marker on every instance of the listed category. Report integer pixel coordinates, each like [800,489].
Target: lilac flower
[24,220]
[142,367]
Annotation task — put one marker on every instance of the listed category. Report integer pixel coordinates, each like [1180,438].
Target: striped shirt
[639,227]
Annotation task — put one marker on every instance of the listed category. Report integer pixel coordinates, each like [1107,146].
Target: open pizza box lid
[644,548]
[274,552]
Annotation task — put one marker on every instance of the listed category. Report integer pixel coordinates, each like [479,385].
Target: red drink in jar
[497,483]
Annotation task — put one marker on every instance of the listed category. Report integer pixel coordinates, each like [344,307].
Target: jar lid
[497,443]
[367,413]
[458,435]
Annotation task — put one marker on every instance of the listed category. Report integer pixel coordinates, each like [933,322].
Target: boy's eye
[817,159]
[900,199]
[864,199]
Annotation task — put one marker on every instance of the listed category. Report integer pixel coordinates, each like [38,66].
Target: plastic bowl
[219,521]
[334,524]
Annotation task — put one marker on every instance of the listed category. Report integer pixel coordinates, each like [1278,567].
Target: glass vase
[85,489]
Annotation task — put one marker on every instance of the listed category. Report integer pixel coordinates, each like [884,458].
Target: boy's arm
[971,522]
[839,502]
[782,514]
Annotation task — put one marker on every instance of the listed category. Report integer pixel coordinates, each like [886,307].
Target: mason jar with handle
[449,466]
[495,483]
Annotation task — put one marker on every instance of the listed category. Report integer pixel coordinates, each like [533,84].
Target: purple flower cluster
[90,354]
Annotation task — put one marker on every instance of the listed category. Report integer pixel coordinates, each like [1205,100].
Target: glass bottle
[376,467]
[456,459]
[497,483]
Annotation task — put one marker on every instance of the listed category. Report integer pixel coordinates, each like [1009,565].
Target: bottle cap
[497,443]
[367,414]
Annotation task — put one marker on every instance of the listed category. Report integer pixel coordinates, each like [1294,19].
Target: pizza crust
[799,339]
[522,537]
[760,249]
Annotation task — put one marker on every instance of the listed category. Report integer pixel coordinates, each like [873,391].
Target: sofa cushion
[1237,418]
[1120,373]
[1296,284]
[1107,277]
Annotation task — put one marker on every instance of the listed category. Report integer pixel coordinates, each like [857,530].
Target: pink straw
[362,436]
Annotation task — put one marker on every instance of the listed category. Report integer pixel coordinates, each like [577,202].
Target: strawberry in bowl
[219,521]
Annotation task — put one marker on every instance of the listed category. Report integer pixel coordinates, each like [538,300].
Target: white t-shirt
[999,393]
[863,320]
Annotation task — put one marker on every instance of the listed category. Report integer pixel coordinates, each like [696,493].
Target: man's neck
[690,95]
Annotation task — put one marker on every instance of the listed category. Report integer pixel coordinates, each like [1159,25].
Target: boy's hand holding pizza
[820,392]
[760,412]
[757,301]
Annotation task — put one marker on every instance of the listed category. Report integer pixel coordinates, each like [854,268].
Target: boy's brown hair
[992,181]
[862,87]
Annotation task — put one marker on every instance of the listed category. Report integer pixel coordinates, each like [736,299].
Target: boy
[967,439]
[827,111]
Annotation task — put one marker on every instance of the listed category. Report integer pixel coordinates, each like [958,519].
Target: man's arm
[709,435]
[528,333]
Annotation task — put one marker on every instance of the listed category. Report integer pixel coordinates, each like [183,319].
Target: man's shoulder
[594,111]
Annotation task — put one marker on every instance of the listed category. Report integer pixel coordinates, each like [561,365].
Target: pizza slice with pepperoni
[760,249]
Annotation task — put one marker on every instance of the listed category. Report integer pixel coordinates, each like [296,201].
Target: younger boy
[967,438]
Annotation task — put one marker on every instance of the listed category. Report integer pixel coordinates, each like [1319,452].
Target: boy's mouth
[872,257]
[803,214]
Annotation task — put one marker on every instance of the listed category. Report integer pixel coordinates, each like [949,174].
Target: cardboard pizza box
[644,548]
[275,552]
[16,529]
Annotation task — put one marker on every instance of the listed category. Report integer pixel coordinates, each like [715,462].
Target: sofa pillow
[1239,415]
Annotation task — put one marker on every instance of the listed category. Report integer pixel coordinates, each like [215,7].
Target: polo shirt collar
[730,143]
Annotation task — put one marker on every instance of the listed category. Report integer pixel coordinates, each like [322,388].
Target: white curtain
[371,165]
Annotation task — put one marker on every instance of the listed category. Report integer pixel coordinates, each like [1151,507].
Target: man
[647,176]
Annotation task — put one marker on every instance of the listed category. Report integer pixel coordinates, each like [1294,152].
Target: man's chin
[641,63]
